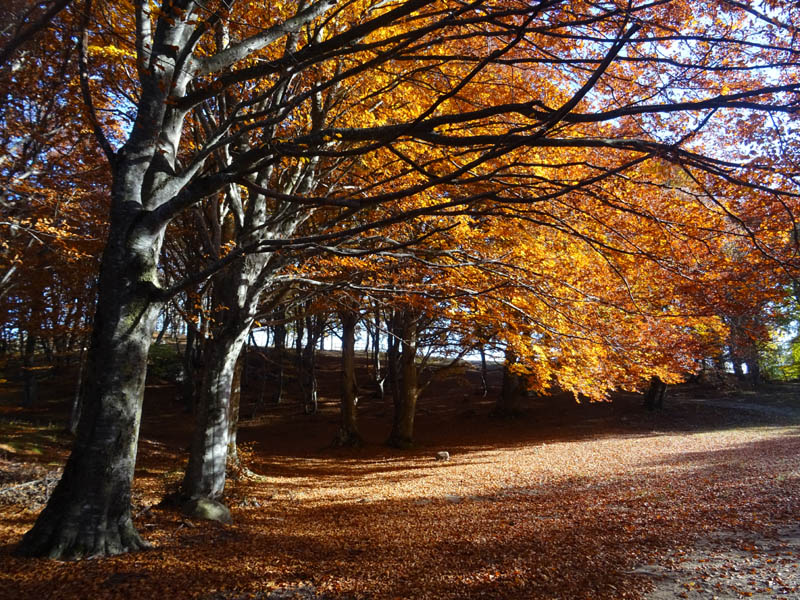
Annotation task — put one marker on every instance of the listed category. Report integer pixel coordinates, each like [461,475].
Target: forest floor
[593,500]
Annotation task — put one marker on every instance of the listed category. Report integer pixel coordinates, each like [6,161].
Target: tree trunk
[280,351]
[513,388]
[218,408]
[205,473]
[299,325]
[165,325]
[348,434]
[89,513]
[654,398]
[484,373]
[31,383]
[235,404]
[47,348]
[190,362]
[77,399]
[308,363]
[402,434]
[379,377]
[753,371]
[393,360]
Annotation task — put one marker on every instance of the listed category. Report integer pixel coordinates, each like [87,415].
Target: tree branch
[26,33]
[86,91]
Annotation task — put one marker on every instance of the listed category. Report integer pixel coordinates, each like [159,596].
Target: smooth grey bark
[236,292]
[348,434]
[205,472]
[402,434]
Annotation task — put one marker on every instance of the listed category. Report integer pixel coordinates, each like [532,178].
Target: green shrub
[164,362]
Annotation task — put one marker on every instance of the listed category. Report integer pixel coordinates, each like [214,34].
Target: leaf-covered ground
[568,501]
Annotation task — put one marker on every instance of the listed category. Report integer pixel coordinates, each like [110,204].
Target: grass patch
[30,439]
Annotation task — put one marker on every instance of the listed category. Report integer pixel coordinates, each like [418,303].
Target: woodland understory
[591,500]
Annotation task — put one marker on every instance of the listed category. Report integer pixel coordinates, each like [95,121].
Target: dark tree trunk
[190,362]
[279,336]
[512,390]
[47,348]
[299,325]
[402,434]
[89,513]
[393,359]
[308,372]
[77,399]
[654,398]
[379,377]
[348,434]
[484,373]
[29,375]
[164,328]
[754,371]
[752,364]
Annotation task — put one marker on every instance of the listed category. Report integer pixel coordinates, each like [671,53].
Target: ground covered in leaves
[699,500]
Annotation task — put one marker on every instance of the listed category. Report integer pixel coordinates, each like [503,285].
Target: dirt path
[731,565]
[728,565]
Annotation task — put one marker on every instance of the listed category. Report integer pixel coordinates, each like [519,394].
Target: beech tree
[515,111]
